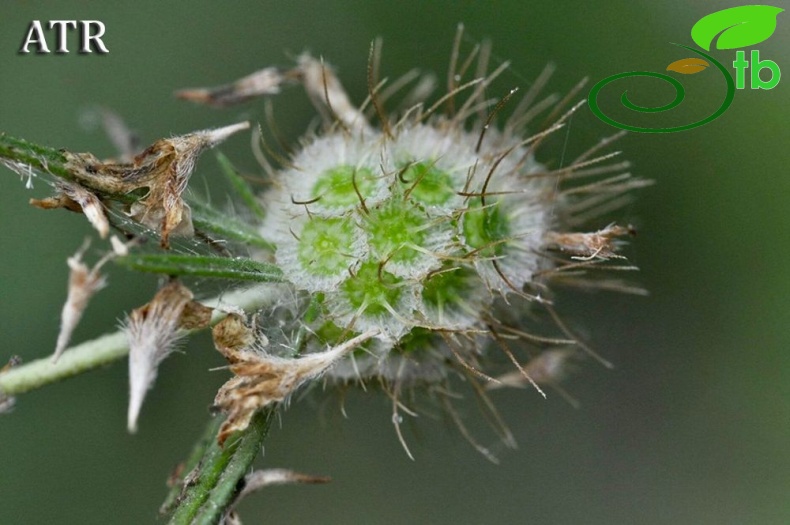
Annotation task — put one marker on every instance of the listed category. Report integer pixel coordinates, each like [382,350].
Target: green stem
[241,186]
[49,160]
[83,357]
[110,347]
[40,157]
[203,266]
[198,451]
[225,225]
[215,479]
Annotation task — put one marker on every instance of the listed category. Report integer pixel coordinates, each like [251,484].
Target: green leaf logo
[738,26]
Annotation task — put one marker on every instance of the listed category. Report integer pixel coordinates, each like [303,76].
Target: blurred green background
[691,427]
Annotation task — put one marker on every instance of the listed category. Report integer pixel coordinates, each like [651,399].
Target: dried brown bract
[602,244]
[163,169]
[260,479]
[152,331]
[319,80]
[84,282]
[264,82]
[262,379]
[76,198]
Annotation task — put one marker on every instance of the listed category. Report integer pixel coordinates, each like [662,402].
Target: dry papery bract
[162,170]
[76,198]
[260,479]
[262,379]
[153,331]
[84,282]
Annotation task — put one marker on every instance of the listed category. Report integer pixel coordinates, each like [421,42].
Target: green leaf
[225,226]
[241,186]
[739,26]
[203,266]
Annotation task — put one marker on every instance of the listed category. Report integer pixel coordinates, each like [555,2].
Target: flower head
[425,227]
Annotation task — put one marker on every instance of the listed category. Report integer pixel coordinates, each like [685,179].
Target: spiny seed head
[415,245]
[401,230]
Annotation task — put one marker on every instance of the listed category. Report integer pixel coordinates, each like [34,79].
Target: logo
[735,28]
[90,32]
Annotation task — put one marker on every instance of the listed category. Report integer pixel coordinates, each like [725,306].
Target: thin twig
[107,348]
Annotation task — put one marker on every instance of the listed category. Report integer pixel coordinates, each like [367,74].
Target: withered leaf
[262,379]
[163,169]
[602,244]
[259,479]
[75,197]
[264,82]
[84,282]
[688,66]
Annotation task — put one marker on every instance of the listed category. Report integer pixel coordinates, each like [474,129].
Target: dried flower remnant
[602,244]
[152,331]
[74,197]
[264,82]
[322,86]
[163,169]
[260,479]
[84,282]
[547,368]
[262,379]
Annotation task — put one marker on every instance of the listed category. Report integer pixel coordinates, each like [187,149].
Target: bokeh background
[691,427]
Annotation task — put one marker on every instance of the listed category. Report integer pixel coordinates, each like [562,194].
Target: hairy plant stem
[110,347]
[78,359]
[40,157]
[212,475]
[202,266]
[20,152]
